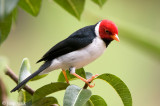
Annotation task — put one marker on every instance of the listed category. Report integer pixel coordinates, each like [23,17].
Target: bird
[76,51]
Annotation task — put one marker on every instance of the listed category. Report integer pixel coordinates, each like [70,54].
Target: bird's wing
[76,41]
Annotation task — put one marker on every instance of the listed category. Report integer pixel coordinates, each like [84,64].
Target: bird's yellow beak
[115,37]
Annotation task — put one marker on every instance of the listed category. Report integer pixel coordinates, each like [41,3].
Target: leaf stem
[13,76]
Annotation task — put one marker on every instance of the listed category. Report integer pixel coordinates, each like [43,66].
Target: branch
[85,86]
[3,92]
[13,76]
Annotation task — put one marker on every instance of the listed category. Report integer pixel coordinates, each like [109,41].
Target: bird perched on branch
[79,49]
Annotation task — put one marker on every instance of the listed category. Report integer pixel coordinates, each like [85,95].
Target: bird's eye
[108,32]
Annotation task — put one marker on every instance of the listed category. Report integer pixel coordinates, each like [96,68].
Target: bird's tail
[43,67]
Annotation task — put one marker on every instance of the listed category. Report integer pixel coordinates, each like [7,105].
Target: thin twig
[85,86]
[14,77]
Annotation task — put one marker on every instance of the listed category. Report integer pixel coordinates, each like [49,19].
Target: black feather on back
[75,41]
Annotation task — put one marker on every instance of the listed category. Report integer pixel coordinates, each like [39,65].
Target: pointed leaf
[48,89]
[5,27]
[119,86]
[46,101]
[75,96]
[97,100]
[71,77]
[31,6]
[99,2]
[74,7]
[6,7]
[24,70]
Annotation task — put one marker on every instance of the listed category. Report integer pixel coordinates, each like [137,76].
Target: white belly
[79,58]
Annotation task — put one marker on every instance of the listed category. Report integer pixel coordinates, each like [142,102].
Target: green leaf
[97,100]
[88,103]
[24,96]
[71,77]
[74,7]
[28,96]
[48,89]
[5,27]
[6,7]
[46,101]
[31,6]
[75,96]
[29,103]
[15,14]
[119,86]
[21,96]
[99,2]
[24,70]
[37,77]
[88,75]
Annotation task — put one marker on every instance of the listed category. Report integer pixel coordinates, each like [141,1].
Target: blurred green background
[132,60]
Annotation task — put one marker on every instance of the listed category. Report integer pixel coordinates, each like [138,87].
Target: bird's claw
[91,86]
[90,80]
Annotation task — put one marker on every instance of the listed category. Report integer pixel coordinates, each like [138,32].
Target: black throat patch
[107,42]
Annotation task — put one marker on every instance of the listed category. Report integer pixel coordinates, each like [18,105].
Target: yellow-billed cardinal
[79,49]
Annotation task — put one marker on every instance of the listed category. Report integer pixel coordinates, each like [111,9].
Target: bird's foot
[93,77]
[88,81]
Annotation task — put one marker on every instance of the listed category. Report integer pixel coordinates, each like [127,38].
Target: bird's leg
[65,76]
[87,81]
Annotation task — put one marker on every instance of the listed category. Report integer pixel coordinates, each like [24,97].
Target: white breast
[79,58]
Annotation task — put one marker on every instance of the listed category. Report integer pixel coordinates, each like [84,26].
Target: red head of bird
[108,30]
